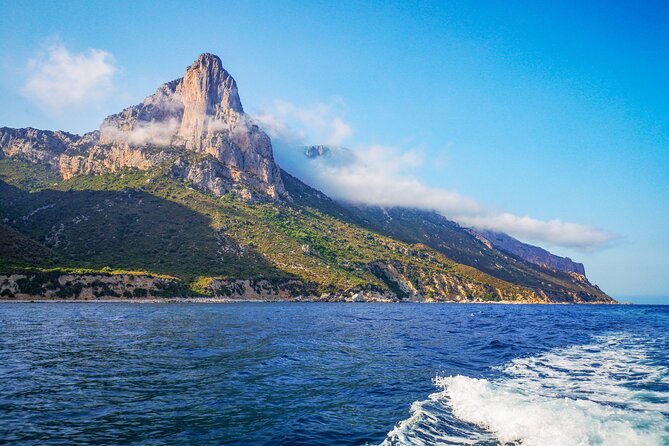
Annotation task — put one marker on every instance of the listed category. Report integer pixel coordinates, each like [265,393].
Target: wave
[613,391]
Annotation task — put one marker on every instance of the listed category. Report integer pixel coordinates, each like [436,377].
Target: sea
[333,374]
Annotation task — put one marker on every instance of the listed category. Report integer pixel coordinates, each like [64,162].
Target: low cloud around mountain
[386,176]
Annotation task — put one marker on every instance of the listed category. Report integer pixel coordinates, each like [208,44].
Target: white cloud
[169,131]
[387,176]
[553,232]
[58,79]
[153,132]
[381,175]
[319,123]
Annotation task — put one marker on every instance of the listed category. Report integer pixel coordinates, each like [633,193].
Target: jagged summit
[211,85]
[205,100]
[200,112]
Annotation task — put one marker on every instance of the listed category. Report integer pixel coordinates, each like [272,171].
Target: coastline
[218,300]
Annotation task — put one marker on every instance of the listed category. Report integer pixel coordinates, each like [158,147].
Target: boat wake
[613,391]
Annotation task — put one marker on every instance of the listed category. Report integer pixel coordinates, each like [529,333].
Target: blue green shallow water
[318,373]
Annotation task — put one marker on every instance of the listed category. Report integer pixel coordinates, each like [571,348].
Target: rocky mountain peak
[210,100]
[200,112]
[208,85]
[186,111]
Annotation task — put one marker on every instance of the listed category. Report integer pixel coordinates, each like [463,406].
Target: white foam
[534,420]
[583,395]
[606,371]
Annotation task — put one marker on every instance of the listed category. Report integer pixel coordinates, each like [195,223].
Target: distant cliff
[530,253]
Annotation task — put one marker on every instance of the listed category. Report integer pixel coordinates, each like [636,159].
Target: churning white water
[613,391]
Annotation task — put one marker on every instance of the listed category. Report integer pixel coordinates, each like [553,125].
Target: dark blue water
[312,373]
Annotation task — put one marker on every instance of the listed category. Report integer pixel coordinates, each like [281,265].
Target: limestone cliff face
[201,112]
[429,285]
[37,146]
[210,100]
[423,284]
[198,113]
[110,158]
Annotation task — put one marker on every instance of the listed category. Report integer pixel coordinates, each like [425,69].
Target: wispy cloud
[318,123]
[159,133]
[58,78]
[169,129]
[388,176]
[553,232]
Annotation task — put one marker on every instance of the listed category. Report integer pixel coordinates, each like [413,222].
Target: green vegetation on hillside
[149,222]
[475,258]
[146,221]
[27,176]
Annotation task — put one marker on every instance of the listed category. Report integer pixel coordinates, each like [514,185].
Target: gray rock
[37,146]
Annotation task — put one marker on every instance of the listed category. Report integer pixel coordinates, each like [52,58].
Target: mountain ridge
[531,253]
[504,242]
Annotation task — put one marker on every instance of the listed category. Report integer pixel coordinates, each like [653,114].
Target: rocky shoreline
[218,300]
[57,286]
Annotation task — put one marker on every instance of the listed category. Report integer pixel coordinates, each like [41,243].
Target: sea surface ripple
[318,373]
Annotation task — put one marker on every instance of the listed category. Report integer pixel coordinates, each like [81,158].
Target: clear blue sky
[557,110]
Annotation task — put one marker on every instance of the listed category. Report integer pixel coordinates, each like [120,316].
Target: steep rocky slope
[463,246]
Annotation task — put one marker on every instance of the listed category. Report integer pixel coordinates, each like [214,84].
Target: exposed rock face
[200,113]
[320,151]
[532,254]
[53,285]
[260,289]
[99,159]
[203,113]
[210,99]
[37,146]
[317,151]
[423,284]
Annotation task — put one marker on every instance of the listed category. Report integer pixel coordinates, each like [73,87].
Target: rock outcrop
[423,284]
[260,289]
[55,285]
[200,113]
[36,146]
